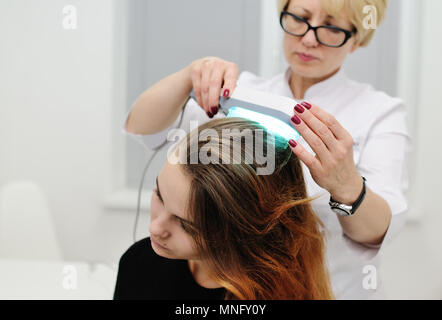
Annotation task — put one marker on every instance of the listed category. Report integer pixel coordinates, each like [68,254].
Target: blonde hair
[355,13]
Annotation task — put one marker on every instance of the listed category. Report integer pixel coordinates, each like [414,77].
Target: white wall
[413,263]
[56,110]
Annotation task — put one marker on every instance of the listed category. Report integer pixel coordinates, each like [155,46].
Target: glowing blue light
[272,124]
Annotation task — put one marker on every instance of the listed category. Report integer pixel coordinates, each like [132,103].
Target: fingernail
[292,143]
[214,110]
[209,114]
[296,120]
[299,108]
[226,93]
[307,105]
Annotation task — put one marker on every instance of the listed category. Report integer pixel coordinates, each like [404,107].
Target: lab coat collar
[330,85]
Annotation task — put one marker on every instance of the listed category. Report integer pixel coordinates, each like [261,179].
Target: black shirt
[142,274]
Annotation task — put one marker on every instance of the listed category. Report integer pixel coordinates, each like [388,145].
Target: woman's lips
[306,57]
[156,244]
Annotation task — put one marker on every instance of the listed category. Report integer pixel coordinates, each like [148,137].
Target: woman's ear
[354,47]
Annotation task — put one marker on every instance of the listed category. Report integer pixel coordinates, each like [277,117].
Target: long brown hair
[258,233]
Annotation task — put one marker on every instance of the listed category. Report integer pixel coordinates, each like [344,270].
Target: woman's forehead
[174,186]
[332,9]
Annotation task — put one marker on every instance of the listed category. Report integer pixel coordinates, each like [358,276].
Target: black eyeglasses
[329,36]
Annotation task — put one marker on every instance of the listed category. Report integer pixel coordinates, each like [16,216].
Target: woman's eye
[184,226]
[329,24]
[157,193]
[187,228]
[301,19]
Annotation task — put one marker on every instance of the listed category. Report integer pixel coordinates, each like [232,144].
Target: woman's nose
[158,228]
[309,39]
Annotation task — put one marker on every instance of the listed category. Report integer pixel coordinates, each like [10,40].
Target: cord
[145,170]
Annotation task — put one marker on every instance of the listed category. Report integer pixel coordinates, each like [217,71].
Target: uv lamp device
[270,110]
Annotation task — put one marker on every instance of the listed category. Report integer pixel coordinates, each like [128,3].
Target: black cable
[145,170]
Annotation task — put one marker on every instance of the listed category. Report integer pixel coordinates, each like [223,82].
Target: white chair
[27,230]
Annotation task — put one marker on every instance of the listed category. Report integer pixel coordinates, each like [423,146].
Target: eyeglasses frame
[348,34]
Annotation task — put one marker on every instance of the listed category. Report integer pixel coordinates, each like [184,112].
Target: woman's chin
[163,254]
[306,68]
[308,71]
[160,251]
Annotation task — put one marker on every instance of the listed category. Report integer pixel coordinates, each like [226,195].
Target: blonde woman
[354,138]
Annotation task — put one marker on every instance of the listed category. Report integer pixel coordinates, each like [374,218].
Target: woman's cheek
[334,57]
[288,48]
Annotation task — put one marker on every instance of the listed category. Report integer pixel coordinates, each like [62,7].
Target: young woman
[222,231]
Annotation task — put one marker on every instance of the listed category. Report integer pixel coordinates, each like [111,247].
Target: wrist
[350,193]
[187,77]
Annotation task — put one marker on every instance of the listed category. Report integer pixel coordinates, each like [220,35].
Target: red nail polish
[226,93]
[214,110]
[299,108]
[307,105]
[209,114]
[296,120]
[292,143]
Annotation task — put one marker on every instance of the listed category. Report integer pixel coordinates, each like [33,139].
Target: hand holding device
[210,75]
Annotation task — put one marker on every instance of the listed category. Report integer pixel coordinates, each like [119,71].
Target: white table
[60,280]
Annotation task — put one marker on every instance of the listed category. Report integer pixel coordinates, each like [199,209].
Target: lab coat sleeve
[192,111]
[384,163]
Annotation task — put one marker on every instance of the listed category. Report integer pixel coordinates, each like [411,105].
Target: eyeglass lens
[327,36]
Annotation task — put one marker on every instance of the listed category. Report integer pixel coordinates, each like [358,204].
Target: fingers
[323,129]
[215,86]
[330,121]
[323,133]
[209,75]
[222,82]
[311,138]
[205,85]
[315,132]
[196,83]
[305,156]
[230,79]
